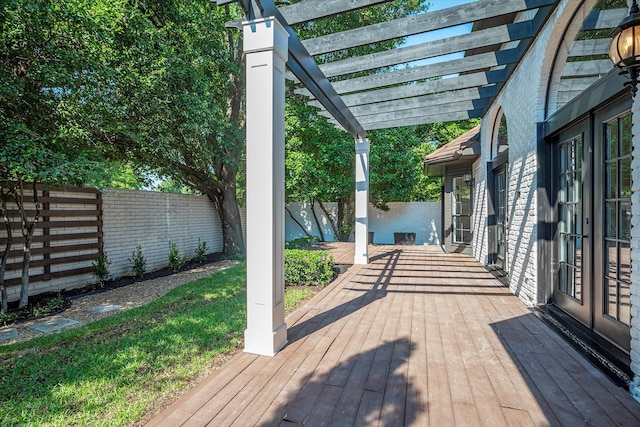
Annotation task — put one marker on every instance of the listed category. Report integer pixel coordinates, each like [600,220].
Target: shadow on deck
[417,337]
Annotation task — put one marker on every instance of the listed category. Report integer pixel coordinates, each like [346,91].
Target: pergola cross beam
[417,24]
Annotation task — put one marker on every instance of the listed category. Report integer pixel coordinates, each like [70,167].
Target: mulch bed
[39,302]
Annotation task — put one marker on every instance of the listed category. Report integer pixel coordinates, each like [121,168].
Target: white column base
[265,342]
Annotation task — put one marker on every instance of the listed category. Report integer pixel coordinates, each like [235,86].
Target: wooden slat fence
[67,237]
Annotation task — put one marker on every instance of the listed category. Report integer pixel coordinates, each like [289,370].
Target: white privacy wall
[152,220]
[422,218]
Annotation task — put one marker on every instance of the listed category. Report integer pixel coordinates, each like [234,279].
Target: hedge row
[308,268]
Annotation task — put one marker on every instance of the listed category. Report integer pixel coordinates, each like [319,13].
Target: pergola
[394,94]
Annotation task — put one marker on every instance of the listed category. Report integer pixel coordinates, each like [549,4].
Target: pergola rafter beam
[590,47]
[604,19]
[470,96]
[473,40]
[436,118]
[597,67]
[477,82]
[467,64]
[417,24]
[452,106]
[310,10]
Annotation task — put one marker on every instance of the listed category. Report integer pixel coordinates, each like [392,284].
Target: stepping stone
[53,325]
[8,334]
[103,308]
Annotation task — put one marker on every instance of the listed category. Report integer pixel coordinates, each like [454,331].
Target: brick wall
[522,100]
[152,220]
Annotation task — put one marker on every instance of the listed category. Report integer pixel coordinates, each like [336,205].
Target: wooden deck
[417,337]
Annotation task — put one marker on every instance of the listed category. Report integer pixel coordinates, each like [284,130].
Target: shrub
[301,242]
[48,306]
[200,252]
[138,262]
[101,268]
[307,268]
[7,318]
[176,262]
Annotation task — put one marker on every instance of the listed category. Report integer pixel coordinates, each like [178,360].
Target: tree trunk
[27,228]
[26,260]
[231,221]
[304,230]
[315,217]
[343,225]
[332,222]
[5,254]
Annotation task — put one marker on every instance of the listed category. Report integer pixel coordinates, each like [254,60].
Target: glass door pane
[461,211]
[501,215]
[617,220]
[570,218]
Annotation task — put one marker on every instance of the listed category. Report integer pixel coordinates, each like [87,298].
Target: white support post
[362,202]
[266,50]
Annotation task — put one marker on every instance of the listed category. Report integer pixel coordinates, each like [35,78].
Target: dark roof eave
[472,150]
[437,168]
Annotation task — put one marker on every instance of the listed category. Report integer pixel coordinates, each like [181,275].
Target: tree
[426,188]
[176,101]
[116,174]
[395,166]
[52,56]
[319,164]
[4,196]
[320,159]
[438,134]
[434,136]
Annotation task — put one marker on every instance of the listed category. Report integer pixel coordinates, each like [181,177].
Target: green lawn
[114,371]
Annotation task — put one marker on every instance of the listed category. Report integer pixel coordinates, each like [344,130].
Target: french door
[572,292]
[612,278]
[592,240]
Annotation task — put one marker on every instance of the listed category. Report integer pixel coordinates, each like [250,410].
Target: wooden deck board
[417,337]
[439,394]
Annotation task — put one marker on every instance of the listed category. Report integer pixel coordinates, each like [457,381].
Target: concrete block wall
[153,220]
[303,214]
[422,218]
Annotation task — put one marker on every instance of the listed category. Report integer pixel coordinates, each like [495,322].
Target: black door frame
[585,106]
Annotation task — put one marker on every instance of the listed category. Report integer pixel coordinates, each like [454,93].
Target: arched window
[500,138]
[582,56]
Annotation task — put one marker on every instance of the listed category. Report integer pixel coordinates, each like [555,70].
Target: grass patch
[293,296]
[114,371]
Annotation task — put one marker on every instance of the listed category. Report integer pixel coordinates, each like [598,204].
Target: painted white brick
[422,218]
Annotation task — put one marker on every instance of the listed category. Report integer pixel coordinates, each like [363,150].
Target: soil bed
[127,292]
